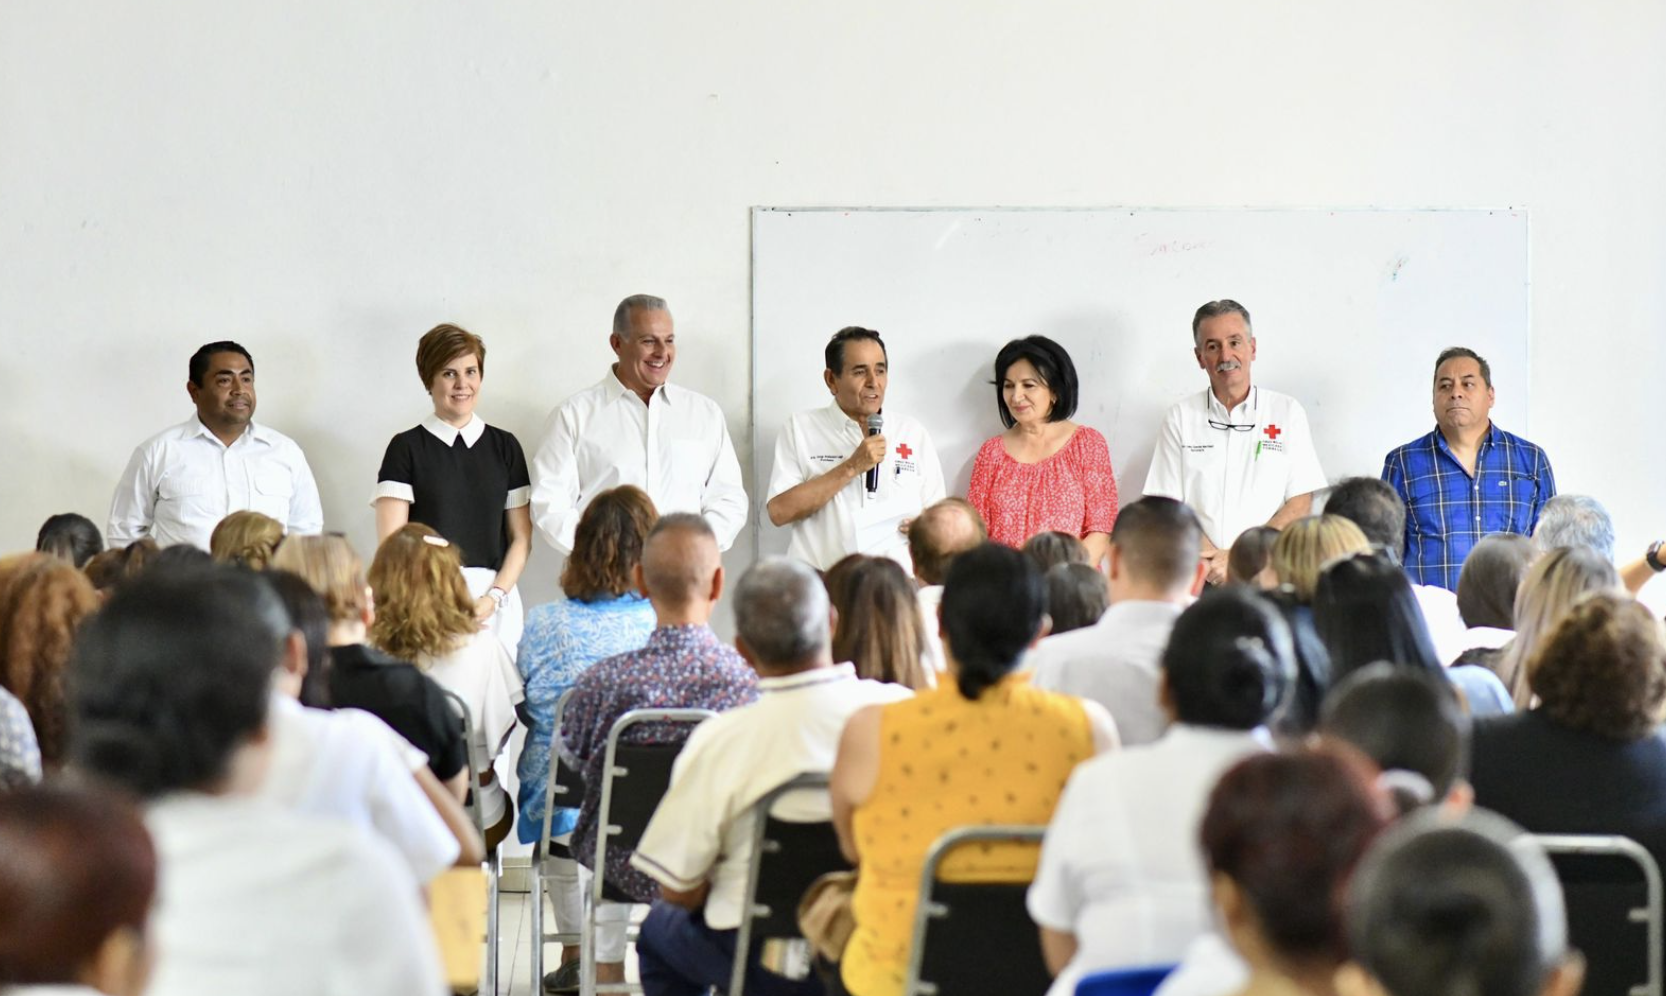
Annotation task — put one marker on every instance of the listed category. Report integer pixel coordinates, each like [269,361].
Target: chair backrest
[1124,981]
[565,785]
[473,801]
[634,779]
[1612,889]
[974,937]
[786,858]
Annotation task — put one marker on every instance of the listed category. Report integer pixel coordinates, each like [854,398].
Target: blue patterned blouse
[560,641]
[19,753]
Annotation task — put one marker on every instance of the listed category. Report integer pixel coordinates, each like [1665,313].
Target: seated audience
[425,614]
[1554,582]
[1313,672]
[984,747]
[943,530]
[1581,521]
[1076,596]
[1365,612]
[683,666]
[1376,508]
[361,678]
[246,538]
[118,565]
[1409,723]
[78,877]
[1466,908]
[1281,836]
[1052,548]
[1155,570]
[1121,883]
[1305,546]
[1250,559]
[179,557]
[70,536]
[19,750]
[43,600]
[877,624]
[698,845]
[1487,587]
[349,765]
[253,900]
[602,615]
[1591,758]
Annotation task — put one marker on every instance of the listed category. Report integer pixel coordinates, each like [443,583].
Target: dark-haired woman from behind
[77,882]
[1121,883]
[1044,472]
[877,622]
[70,536]
[985,747]
[1365,611]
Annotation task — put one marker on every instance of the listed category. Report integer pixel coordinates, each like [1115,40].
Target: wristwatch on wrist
[497,595]
[1653,557]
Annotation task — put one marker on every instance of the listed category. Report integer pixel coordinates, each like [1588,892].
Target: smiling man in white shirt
[824,457]
[181,482]
[1239,454]
[635,428]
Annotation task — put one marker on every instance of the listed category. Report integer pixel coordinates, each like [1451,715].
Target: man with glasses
[1239,454]
[1468,477]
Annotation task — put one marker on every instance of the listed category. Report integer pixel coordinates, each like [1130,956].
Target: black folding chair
[563,789]
[974,937]
[1612,889]
[634,779]
[786,858]
[493,863]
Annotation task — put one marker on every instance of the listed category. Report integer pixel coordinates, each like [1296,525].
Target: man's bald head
[680,561]
[947,528]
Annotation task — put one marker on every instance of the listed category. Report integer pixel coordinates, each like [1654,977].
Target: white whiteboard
[1350,309]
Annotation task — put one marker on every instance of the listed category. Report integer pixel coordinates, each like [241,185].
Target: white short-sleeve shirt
[348,764]
[182,481]
[258,901]
[854,521]
[1234,468]
[1120,865]
[677,450]
[1115,662]
[702,828]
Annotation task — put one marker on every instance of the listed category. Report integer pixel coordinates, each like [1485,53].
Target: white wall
[323,181]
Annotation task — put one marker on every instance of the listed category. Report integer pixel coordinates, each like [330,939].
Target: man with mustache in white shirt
[1239,454]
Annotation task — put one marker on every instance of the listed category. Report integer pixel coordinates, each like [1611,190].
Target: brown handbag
[824,914]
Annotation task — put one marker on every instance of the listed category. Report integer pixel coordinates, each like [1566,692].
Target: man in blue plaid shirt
[1467,478]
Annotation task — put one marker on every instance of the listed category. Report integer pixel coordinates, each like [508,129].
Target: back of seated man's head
[679,559]
[1374,507]
[1158,542]
[1577,521]
[1407,720]
[1467,907]
[946,528]
[782,620]
[172,677]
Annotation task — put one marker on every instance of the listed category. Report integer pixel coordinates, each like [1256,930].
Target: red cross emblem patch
[1272,431]
[903,451]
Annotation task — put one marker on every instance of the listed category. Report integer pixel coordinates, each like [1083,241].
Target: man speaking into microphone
[848,475]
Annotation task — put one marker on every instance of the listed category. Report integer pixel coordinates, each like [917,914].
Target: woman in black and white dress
[466,480]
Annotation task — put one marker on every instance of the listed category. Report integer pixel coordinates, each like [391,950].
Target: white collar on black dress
[447,433]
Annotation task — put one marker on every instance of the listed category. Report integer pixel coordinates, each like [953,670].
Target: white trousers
[568,883]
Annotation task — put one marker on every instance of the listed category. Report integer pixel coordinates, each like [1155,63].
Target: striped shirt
[1448,509]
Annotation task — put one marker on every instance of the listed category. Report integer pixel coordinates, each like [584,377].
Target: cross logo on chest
[903,451]
[1272,431]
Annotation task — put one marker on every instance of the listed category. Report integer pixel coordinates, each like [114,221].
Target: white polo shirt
[677,450]
[182,481]
[1234,478]
[703,827]
[910,478]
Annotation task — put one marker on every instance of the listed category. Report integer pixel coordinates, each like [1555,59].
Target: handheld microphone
[875,423]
